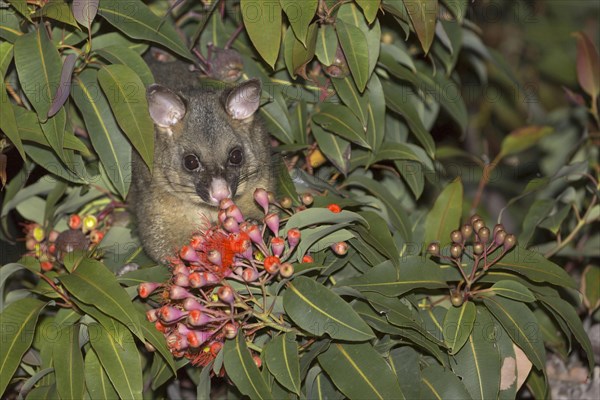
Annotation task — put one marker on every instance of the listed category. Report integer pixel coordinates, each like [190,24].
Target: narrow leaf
[356,102]
[326,45]
[340,120]
[70,380]
[513,290]
[281,356]
[318,310]
[242,370]
[423,14]
[262,19]
[360,372]
[123,55]
[96,381]
[336,149]
[84,11]
[370,8]
[356,49]
[439,383]
[588,65]
[522,139]
[445,215]
[300,13]
[64,87]
[458,325]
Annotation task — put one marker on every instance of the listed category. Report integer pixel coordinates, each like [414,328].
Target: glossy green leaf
[379,236]
[281,356]
[94,284]
[262,19]
[534,266]
[10,29]
[319,386]
[445,215]
[356,49]
[438,383]
[39,66]
[327,44]
[8,121]
[58,11]
[513,290]
[413,175]
[277,120]
[136,20]
[352,98]
[322,216]
[351,15]
[523,138]
[447,93]
[520,323]
[96,381]
[318,310]
[398,217]
[300,13]
[122,55]
[538,385]
[157,340]
[536,214]
[370,8]
[360,372]
[335,149]
[405,364]
[108,140]
[127,98]
[295,54]
[458,325]
[17,322]
[423,15]
[395,98]
[478,362]
[242,370]
[569,314]
[375,114]
[412,273]
[70,380]
[120,359]
[340,120]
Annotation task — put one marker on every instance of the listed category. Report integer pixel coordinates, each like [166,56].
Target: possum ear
[166,108]
[244,99]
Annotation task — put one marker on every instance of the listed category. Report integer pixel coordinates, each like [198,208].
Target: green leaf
[136,20]
[340,120]
[513,290]
[127,98]
[445,215]
[397,215]
[478,362]
[318,310]
[536,214]
[242,370]
[70,380]
[96,381]
[321,216]
[522,138]
[57,10]
[375,114]
[336,149]
[379,236]
[123,55]
[569,314]
[85,11]
[281,356]
[438,383]
[356,49]
[8,121]
[370,8]
[412,273]
[119,357]
[534,266]
[277,120]
[17,327]
[458,325]
[94,284]
[157,340]
[319,386]
[299,14]
[589,287]
[326,45]
[295,54]
[405,364]
[10,28]
[108,140]
[39,67]
[262,19]
[413,175]
[423,15]
[395,98]
[360,372]
[356,102]
[520,323]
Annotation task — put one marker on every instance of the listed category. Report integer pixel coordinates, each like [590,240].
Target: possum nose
[219,190]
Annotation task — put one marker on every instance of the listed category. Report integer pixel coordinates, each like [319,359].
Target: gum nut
[434,249]
[466,231]
[262,198]
[456,250]
[456,236]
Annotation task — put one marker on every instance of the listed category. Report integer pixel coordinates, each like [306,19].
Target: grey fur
[167,203]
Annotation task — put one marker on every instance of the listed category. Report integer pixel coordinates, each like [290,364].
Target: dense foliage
[427,240]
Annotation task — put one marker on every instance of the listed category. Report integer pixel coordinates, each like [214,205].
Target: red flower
[334,208]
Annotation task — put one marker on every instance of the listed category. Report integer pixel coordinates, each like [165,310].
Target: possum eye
[191,162]
[236,156]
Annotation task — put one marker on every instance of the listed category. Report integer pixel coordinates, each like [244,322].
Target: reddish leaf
[588,65]
[65,85]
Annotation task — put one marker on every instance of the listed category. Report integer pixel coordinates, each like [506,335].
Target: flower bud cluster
[198,307]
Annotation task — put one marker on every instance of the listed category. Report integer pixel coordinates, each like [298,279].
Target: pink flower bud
[198,338]
[187,253]
[190,304]
[249,274]
[262,198]
[211,278]
[152,315]
[177,342]
[179,293]
[225,204]
[293,237]
[181,280]
[170,314]
[234,212]
[225,293]
[198,318]
[214,256]
[230,330]
[145,289]
[340,248]
[222,216]
[231,225]
[197,280]
[277,246]
[272,221]
[181,269]
[254,234]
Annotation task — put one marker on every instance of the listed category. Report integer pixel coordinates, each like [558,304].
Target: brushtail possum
[210,144]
